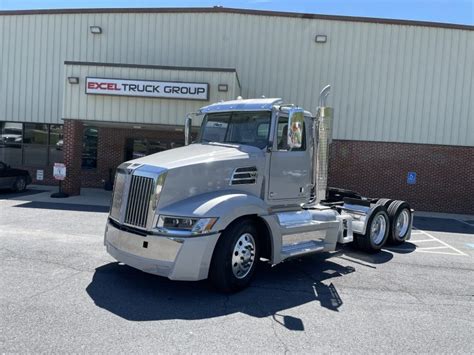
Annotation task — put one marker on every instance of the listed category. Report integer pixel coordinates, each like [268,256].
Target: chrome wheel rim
[243,255]
[20,184]
[402,223]
[377,229]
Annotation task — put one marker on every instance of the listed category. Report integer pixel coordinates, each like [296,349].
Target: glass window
[140,147]
[56,143]
[282,134]
[56,155]
[135,148]
[35,133]
[249,128]
[215,127]
[27,144]
[35,155]
[55,134]
[156,146]
[89,148]
[11,136]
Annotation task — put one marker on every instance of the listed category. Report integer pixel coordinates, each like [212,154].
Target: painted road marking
[445,245]
[444,249]
[431,248]
[438,252]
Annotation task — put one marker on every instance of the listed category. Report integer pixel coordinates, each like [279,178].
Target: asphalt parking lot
[60,292]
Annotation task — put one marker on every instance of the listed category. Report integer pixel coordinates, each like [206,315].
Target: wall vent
[242,176]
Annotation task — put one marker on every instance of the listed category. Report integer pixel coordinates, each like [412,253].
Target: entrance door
[290,169]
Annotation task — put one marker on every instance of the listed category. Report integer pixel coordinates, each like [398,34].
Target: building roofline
[146,66]
[219,9]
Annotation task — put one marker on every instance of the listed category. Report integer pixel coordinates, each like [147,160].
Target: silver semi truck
[252,187]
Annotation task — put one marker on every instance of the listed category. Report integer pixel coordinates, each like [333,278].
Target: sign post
[59,173]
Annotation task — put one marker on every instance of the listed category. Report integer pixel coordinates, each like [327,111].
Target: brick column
[73,132]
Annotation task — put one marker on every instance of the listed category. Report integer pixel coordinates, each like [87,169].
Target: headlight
[192,225]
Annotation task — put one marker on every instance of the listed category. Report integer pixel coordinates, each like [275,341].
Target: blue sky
[450,11]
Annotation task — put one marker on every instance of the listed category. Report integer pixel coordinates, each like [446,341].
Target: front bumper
[175,258]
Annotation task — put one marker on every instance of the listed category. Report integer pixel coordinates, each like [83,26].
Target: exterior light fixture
[321,38]
[223,87]
[97,30]
[73,80]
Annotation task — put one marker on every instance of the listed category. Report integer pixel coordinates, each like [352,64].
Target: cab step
[302,248]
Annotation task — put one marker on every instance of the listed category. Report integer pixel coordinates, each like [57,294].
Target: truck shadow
[137,296]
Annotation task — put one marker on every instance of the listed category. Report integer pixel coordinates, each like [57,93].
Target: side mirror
[295,128]
[187,130]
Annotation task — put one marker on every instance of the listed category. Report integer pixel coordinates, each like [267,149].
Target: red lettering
[102,86]
[112,86]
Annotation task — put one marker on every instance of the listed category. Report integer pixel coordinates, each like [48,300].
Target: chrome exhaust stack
[323,132]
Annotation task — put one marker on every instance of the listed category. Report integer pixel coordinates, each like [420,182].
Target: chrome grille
[139,201]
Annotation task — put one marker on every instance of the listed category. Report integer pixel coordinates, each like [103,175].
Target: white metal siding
[78,105]
[390,82]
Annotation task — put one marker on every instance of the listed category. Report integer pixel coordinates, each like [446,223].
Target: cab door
[290,168]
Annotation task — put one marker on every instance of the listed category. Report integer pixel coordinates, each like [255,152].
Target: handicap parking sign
[411,178]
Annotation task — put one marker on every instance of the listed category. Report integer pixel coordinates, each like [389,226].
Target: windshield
[249,128]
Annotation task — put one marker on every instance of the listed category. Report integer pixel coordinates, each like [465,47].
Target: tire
[376,233]
[20,184]
[399,213]
[384,202]
[229,272]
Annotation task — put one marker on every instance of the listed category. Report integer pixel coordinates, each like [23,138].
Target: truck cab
[251,188]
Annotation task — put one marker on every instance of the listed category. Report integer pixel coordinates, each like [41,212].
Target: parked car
[15,179]
[59,144]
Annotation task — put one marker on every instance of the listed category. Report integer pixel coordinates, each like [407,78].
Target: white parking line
[445,245]
[437,252]
[432,248]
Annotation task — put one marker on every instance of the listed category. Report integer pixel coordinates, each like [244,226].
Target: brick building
[93,88]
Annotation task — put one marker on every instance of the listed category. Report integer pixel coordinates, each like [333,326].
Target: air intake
[242,176]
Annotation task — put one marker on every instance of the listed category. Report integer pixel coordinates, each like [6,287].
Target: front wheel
[235,257]
[376,232]
[20,184]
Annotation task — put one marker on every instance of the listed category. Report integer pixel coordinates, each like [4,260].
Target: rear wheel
[235,257]
[384,202]
[399,213]
[376,232]
[20,184]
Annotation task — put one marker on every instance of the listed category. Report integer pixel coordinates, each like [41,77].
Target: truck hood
[198,154]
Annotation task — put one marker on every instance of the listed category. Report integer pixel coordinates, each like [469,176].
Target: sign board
[39,175]
[59,171]
[147,88]
[411,178]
